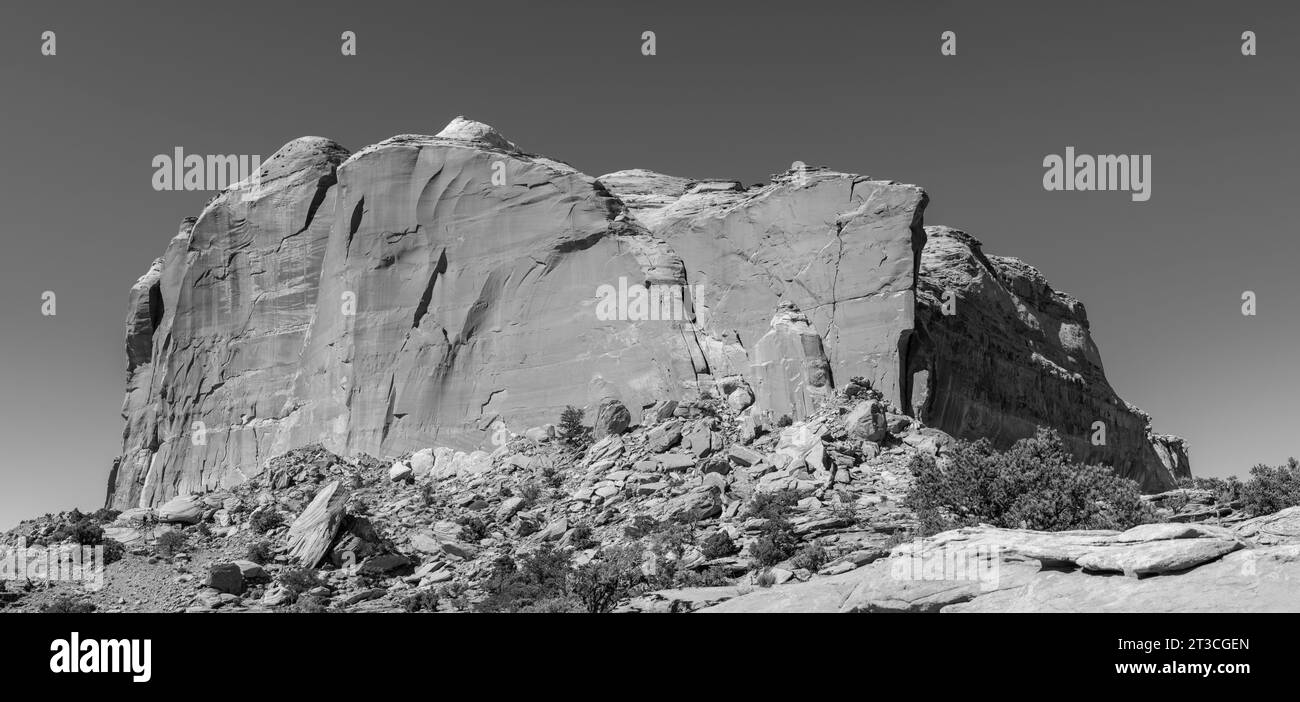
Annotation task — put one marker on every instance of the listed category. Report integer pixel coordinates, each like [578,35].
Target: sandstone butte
[403,297]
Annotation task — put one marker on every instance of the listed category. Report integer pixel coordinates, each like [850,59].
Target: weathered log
[314,530]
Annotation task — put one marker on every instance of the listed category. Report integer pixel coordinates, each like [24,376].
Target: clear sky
[737,89]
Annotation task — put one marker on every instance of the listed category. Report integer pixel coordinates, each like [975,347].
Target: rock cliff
[448,290]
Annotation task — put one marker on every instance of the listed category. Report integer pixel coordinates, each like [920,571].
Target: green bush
[772,505]
[421,601]
[512,586]
[260,553]
[718,545]
[607,579]
[265,520]
[776,542]
[642,525]
[572,429]
[709,577]
[1035,484]
[87,533]
[1225,489]
[67,605]
[113,551]
[1271,488]
[105,515]
[475,528]
[298,581]
[812,557]
[530,491]
[555,605]
[581,538]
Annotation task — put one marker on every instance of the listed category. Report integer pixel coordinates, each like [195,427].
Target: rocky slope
[693,493]
[442,290]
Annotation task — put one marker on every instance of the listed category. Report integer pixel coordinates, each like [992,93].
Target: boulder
[611,417]
[401,473]
[185,509]
[422,462]
[545,432]
[250,570]
[867,421]
[226,577]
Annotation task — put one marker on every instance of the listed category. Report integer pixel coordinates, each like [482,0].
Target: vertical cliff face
[1001,353]
[459,289]
[430,290]
[842,248]
[217,325]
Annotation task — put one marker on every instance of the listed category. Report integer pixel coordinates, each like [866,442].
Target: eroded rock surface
[999,352]
[443,291]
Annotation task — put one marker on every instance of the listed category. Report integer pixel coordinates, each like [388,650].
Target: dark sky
[738,89]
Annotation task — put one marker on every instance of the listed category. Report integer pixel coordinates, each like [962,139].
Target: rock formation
[1000,353]
[430,290]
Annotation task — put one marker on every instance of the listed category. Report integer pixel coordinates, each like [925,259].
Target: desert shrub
[475,528]
[78,528]
[298,581]
[785,421]
[709,577]
[775,543]
[1271,488]
[67,605]
[581,538]
[811,557]
[772,505]
[113,551]
[105,515]
[421,601]
[641,526]
[170,544]
[1035,484]
[428,495]
[265,520]
[673,539]
[260,553]
[454,594]
[766,579]
[567,604]
[512,586]
[847,511]
[87,532]
[530,491]
[572,429]
[607,579]
[718,545]
[1225,489]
